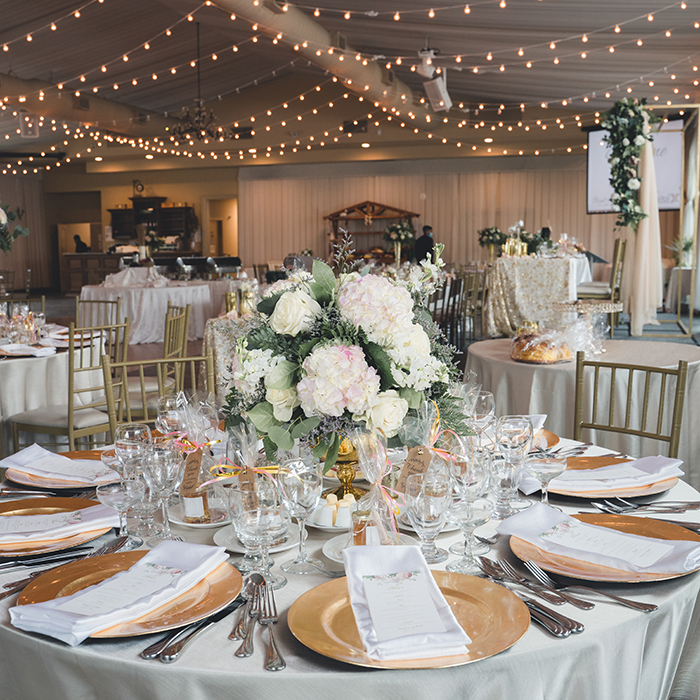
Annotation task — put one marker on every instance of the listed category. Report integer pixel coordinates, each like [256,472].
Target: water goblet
[39,319]
[300,482]
[111,460]
[503,480]
[170,415]
[427,500]
[483,409]
[131,442]
[514,439]
[163,472]
[544,469]
[121,497]
[468,516]
[259,521]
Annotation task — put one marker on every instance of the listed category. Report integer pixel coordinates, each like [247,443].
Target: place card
[417,462]
[119,591]
[12,524]
[638,551]
[603,474]
[400,605]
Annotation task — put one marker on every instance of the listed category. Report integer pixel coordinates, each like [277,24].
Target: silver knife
[171,652]
[45,559]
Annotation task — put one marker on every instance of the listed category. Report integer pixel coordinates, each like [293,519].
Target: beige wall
[226,211]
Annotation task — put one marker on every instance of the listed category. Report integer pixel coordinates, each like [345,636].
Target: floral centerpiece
[626,136]
[491,236]
[397,234]
[325,354]
[153,241]
[9,231]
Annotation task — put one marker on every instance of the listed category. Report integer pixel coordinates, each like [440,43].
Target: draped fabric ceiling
[130,61]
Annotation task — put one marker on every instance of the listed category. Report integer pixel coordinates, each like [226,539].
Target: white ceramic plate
[333,549]
[220,517]
[226,537]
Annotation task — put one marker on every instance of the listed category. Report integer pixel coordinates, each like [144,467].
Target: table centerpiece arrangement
[397,234]
[324,354]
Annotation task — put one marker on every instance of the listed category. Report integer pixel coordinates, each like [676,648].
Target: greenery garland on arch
[625,125]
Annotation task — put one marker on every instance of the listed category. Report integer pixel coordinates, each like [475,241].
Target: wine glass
[300,482]
[483,409]
[513,440]
[544,469]
[427,500]
[468,516]
[163,473]
[39,319]
[131,442]
[170,415]
[503,479]
[259,521]
[121,497]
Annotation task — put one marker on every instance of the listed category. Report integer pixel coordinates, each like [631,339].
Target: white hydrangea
[250,367]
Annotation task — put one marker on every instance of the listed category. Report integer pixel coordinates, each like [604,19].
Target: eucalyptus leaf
[281,376]
[263,417]
[305,426]
[414,397]
[382,361]
[324,276]
[267,305]
[332,454]
[281,437]
[319,293]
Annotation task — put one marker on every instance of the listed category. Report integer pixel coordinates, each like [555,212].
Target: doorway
[223,227]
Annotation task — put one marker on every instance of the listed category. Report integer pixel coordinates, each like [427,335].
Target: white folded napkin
[21,349]
[56,526]
[557,533]
[161,576]
[638,472]
[371,571]
[36,461]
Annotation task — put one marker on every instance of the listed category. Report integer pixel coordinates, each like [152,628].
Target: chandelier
[198,124]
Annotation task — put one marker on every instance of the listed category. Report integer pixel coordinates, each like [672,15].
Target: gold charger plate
[577,463]
[46,506]
[576,568]
[551,438]
[494,618]
[211,594]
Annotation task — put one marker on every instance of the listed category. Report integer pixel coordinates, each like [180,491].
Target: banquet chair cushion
[57,416]
[589,288]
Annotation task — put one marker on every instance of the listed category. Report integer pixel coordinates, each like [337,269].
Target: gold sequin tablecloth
[220,336]
[524,289]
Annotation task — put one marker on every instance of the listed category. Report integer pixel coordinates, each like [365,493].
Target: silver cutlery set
[543,586]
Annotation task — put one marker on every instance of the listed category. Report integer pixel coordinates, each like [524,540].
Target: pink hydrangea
[337,377]
[378,306]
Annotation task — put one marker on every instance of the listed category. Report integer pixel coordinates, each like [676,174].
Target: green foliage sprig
[9,230]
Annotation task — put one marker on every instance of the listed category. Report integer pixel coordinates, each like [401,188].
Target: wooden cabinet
[150,212]
[86,268]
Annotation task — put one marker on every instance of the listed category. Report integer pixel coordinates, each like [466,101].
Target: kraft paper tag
[246,482]
[417,462]
[190,478]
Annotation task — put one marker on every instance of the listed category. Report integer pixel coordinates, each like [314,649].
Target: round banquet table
[146,306]
[521,388]
[622,655]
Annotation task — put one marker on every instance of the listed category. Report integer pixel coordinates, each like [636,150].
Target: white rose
[625,142]
[639,140]
[388,413]
[294,313]
[283,401]
[3,217]
[414,338]
[634,184]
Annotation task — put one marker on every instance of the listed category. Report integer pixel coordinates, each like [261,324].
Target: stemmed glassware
[163,473]
[428,497]
[170,415]
[483,409]
[544,469]
[259,521]
[131,443]
[300,482]
[121,497]
[513,436]
[39,319]
[470,475]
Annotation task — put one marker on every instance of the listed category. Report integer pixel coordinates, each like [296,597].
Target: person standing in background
[424,245]
[80,246]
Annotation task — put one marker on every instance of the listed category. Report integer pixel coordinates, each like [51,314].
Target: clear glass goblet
[171,418]
[428,497]
[513,436]
[131,442]
[544,469]
[163,470]
[259,520]
[504,486]
[121,497]
[300,482]
[483,410]
[468,516]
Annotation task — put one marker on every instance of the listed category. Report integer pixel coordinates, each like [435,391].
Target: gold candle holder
[345,471]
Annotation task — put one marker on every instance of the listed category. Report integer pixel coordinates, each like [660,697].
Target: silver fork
[546,580]
[268,617]
[491,568]
[246,648]
[576,602]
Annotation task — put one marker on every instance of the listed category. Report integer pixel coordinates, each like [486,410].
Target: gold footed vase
[345,471]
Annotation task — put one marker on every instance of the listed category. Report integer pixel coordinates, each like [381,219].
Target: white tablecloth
[622,655]
[524,289]
[146,306]
[529,389]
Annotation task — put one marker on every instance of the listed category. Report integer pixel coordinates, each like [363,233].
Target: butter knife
[171,652]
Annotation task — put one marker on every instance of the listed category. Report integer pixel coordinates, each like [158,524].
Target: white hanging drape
[643,256]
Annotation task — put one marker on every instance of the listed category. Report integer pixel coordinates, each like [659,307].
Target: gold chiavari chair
[35,304]
[621,411]
[94,312]
[85,412]
[191,374]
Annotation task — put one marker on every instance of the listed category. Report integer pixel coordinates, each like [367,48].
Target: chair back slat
[633,417]
[94,312]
